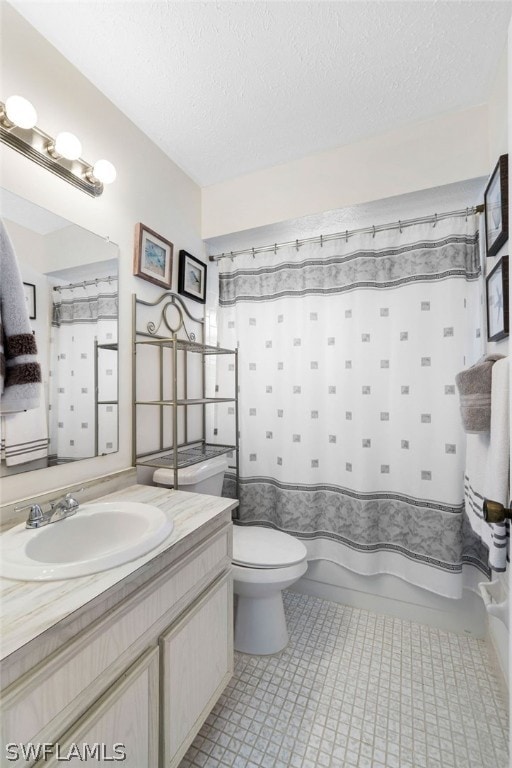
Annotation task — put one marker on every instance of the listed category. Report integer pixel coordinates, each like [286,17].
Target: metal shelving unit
[178,339]
[113,347]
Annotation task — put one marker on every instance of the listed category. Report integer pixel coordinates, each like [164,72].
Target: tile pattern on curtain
[82,316]
[350,429]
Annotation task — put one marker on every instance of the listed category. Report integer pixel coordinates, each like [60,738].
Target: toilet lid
[257,547]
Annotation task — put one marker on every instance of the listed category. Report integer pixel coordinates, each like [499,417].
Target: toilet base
[260,624]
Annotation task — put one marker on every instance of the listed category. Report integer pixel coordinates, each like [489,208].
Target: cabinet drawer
[196,665]
[122,726]
[43,703]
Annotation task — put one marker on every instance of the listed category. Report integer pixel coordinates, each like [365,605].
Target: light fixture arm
[38,146]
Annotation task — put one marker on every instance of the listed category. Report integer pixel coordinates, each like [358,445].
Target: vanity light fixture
[61,155]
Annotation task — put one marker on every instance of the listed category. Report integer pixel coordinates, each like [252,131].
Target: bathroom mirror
[70,279]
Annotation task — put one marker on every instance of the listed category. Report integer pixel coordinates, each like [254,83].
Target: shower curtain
[350,430]
[82,315]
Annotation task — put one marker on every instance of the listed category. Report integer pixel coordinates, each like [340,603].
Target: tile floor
[354,689]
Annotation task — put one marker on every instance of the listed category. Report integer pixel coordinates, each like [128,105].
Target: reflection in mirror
[70,278]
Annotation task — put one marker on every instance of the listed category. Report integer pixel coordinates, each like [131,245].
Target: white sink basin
[98,537]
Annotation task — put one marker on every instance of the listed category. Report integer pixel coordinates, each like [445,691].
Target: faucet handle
[68,498]
[35,516]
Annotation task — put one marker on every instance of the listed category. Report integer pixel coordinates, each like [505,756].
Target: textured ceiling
[225,88]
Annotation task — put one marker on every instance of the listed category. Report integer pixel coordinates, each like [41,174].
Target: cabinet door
[196,665]
[121,726]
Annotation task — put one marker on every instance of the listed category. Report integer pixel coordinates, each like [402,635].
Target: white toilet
[204,477]
[265,562]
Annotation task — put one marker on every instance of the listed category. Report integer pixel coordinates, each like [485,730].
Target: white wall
[498,145]
[149,188]
[71,247]
[418,156]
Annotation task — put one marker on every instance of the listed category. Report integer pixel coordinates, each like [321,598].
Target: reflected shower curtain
[351,437]
[81,316]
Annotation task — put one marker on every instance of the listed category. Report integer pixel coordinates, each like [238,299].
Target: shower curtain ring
[400,226]
[467,211]
[346,235]
[321,241]
[435,220]
[297,245]
[275,249]
[373,227]
[231,255]
[253,253]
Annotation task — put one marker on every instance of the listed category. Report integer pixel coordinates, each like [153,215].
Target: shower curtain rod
[96,280]
[433,219]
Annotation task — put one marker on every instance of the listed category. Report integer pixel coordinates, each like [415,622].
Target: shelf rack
[112,347]
[177,338]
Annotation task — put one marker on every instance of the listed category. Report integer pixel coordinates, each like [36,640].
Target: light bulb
[20,112]
[67,145]
[104,171]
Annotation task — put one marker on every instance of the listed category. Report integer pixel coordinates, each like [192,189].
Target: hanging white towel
[487,469]
[24,436]
[498,460]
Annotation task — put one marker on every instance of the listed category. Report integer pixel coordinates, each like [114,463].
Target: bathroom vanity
[123,665]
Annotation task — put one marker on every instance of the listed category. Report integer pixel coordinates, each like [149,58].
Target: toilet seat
[265,548]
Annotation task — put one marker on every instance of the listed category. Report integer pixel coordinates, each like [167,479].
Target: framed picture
[30,298]
[497,301]
[152,259]
[192,277]
[496,208]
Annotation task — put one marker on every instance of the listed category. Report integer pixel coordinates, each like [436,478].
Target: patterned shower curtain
[351,437]
[81,316]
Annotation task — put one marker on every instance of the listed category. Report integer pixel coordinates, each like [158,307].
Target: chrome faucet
[59,509]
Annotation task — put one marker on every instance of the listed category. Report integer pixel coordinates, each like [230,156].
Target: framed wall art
[152,257]
[192,277]
[30,298]
[497,301]
[496,208]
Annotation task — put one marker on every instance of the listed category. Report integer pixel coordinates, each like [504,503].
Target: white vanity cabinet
[135,685]
[196,664]
[122,726]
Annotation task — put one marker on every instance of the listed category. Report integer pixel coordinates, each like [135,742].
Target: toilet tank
[204,477]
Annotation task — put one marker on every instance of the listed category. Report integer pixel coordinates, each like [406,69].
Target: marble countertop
[31,608]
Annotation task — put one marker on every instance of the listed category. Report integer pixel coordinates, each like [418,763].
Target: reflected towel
[20,373]
[474,385]
[24,436]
